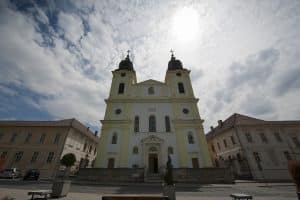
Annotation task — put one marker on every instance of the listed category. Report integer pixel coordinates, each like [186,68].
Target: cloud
[72,26]
[288,81]
[61,54]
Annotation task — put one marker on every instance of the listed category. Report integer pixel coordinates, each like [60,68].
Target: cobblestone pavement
[260,191]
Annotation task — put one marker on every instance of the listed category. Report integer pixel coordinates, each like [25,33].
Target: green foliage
[68,160]
[169,173]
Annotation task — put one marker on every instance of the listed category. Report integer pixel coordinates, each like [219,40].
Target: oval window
[185,111]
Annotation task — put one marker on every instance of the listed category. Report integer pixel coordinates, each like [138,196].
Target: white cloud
[74,79]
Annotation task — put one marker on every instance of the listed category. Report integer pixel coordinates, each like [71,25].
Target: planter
[169,191]
[60,188]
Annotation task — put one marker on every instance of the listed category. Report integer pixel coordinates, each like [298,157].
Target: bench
[45,193]
[239,196]
[134,197]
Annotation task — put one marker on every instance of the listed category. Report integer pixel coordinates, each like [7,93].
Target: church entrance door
[153,163]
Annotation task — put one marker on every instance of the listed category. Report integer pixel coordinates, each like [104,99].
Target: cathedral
[146,122]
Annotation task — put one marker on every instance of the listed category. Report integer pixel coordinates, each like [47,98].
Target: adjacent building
[254,148]
[145,122]
[41,144]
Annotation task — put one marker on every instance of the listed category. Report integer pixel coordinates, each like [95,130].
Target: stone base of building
[181,175]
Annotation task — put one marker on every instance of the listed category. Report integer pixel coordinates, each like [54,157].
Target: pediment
[151,82]
[152,139]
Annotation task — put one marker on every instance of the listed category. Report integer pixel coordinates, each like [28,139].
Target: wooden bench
[134,197]
[239,196]
[45,193]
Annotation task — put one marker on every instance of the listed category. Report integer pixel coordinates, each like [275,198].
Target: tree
[68,160]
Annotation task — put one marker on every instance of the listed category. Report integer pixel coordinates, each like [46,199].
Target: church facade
[146,122]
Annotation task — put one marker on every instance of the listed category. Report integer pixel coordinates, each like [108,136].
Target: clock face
[118,111]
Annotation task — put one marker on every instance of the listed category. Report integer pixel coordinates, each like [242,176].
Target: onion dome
[126,64]
[174,63]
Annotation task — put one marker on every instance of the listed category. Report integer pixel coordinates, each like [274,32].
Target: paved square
[260,191]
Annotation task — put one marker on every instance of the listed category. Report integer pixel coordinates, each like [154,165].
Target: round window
[178,74]
[123,74]
[118,111]
[185,111]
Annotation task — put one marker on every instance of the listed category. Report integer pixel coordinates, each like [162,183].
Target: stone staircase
[153,178]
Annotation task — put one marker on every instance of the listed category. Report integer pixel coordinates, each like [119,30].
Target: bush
[68,160]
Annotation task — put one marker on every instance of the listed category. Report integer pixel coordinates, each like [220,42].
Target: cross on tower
[128,51]
[172,53]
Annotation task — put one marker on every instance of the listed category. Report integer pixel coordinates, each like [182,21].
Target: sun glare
[185,25]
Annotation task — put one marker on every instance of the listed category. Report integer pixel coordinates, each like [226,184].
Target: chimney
[211,128]
[96,133]
[220,122]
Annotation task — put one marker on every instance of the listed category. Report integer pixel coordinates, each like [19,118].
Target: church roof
[150,82]
[126,64]
[174,63]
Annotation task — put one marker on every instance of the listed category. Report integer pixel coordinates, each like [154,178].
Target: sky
[56,57]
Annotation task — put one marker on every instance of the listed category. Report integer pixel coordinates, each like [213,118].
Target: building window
[278,137]
[178,74]
[256,156]
[190,138]
[225,143]
[42,139]
[296,141]
[13,138]
[50,157]
[167,124]
[84,147]
[56,139]
[195,163]
[95,151]
[1,136]
[232,140]
[185,111]
[219,147]
[134,166]
[34,157]
[136,124]
[213,148]
[90,150]
[3,155]
[263,138]
[152,124]
[123,74]
[151,90]
[118,111]
[180,88]
[28,137]
[111,163]
[287,155]
[114,139]
[170,151]
[18,156]
[121,88]
[248,137]
[135,150]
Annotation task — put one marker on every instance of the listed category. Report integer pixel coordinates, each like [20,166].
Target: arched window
[167,123]
[135,150]
[136,124]
[151,90]
[190,138]
[180,88]
[170,150]
[114,139]
[152,124]
[121,88]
